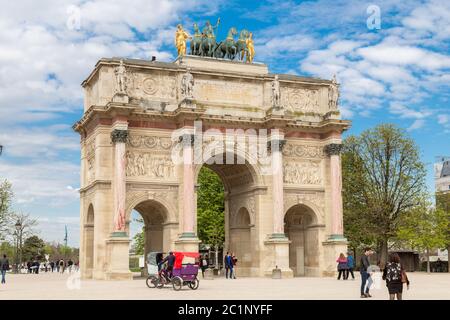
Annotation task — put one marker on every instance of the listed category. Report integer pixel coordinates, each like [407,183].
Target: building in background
[442,189]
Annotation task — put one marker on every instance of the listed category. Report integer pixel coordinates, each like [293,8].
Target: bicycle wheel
[177,283]
[151,282]
[194,284]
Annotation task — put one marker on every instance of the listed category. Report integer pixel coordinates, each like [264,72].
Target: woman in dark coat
[395,276]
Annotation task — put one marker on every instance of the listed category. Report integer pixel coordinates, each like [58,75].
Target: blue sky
[398,73]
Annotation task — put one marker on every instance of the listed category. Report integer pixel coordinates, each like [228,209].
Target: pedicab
[183,273]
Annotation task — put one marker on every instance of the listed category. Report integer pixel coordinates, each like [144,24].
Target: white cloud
[408,113]
[417,124]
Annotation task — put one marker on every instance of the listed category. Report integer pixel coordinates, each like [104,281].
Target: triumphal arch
[274,139]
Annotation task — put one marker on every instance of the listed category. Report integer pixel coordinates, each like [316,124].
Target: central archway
[239,180]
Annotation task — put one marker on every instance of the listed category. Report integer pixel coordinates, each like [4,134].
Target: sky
[391,58]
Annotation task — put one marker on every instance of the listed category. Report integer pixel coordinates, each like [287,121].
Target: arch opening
[238,179]
[299,226]
[89,241]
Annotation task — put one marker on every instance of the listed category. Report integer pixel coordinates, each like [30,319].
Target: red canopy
[180,255]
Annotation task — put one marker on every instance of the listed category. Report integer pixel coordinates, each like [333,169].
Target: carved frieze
[303,151]
[153,85]
[150,142]
[300,99]
[146,164]
[305,172]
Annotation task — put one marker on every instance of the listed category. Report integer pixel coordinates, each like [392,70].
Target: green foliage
[139,242]
[33,247]
[383,178]
[210,208]
[8,249]
[424,228]
[6,195]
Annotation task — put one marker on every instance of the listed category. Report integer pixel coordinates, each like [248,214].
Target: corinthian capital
[118,135]
[333,149]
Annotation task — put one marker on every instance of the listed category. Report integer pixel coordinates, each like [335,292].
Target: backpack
[393,272]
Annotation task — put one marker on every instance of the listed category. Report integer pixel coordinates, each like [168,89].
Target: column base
[278,255]
[332,249]
[117,249]
[187,242]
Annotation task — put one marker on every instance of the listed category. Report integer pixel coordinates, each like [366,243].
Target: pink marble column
[188,187]
[119,138]
[337,230]
[277,188]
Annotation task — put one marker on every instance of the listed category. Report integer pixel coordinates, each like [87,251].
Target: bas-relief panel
[153,85]
[302,164]
[239,92]
[300,99]
[149,157]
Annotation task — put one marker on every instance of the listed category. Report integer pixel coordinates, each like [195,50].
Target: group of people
[230,262]
[345,266]
[59,266]
[393,273]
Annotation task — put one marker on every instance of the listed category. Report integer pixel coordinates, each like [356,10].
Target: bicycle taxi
[184,273]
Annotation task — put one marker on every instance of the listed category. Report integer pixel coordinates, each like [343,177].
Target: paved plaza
[57,286]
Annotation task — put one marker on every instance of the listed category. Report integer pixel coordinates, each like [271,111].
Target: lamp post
[18,226]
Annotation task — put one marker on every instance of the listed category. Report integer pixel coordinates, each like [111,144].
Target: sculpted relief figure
[333,94]
[187,84]
[121,77]
[302,173]
[276,96]
[148,165]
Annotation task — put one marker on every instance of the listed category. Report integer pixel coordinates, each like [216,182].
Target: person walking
[228,262]
[69,265]
[61,266]
[4,266]
[52,265]
[342,266]
[365,263]
[350,265]
[234,261]
[395,276]
[203,265]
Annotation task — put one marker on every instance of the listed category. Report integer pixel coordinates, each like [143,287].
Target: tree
[33,248]
[139,242]
[6,195]
[25,231]
[383,178]
[210,209]
[424,228]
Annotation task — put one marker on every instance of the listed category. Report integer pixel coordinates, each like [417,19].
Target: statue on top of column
[187,84]
[121,78]
[333,94]
[276,95]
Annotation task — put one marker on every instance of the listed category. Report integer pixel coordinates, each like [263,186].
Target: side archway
[300,226]
[89,241]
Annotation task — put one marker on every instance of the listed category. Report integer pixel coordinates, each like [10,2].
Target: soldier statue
[121,77]
[187,84]
[276,97]
[333,94]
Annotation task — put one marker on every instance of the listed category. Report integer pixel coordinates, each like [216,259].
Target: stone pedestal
[187,243]
[187,103]
[276,111]
[118,247]
[278,248]
[332,249]
[120,97]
